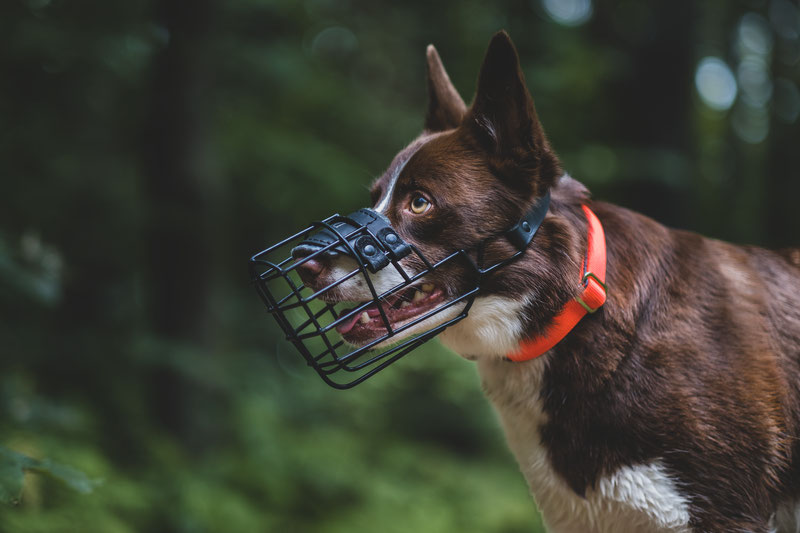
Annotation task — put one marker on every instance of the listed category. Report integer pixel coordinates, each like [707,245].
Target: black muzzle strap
[369,233]
[522,234]
[376,243]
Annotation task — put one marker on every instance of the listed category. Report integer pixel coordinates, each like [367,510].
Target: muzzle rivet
[369,250]
[526,227]
[391,238]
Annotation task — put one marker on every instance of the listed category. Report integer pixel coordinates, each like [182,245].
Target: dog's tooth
[405,304]
[364,317]
[428,287]
[418,296]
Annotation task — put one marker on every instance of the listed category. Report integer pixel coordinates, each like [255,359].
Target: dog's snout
[309,268]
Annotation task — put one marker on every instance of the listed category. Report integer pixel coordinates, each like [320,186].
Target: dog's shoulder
[641,497]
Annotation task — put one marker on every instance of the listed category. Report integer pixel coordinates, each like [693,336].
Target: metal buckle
[585,280]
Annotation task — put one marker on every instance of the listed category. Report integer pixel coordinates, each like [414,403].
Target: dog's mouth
[400,309]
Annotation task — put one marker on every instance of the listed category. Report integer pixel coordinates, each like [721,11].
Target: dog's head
[469,177]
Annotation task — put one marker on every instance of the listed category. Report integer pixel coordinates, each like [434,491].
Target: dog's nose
[311,267]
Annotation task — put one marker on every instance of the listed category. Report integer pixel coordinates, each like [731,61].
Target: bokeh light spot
[754,81]
[755,36]
[715,83]
[568,12]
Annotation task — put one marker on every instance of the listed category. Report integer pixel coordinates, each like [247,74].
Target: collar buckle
[594,293]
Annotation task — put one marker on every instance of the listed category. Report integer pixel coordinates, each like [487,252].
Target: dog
[675,407]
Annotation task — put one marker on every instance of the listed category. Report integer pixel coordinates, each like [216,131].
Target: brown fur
[695,357]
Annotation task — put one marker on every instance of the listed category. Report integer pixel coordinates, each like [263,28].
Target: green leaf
[75,479]
[12,473]
[14,465]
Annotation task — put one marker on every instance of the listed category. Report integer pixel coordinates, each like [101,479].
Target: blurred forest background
[149,147]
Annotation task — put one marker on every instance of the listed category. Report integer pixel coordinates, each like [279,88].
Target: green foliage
[14,465]
[149,149]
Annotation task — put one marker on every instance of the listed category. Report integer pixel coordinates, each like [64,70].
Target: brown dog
[674,407]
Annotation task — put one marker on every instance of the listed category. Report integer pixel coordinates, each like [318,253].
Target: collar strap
[522,233]
[591,298]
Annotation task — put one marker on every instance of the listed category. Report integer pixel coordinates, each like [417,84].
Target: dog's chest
[639,498]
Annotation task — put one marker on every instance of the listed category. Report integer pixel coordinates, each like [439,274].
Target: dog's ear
[502,117]
[446,108]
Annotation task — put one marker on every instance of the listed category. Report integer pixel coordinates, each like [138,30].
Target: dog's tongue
[348,324]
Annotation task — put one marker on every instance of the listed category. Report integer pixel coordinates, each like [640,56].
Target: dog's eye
[419,204]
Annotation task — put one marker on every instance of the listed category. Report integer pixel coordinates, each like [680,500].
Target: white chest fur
[637,499]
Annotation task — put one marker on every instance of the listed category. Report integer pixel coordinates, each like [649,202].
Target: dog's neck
[523,297]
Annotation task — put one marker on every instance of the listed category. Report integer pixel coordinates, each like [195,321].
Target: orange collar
[589,300]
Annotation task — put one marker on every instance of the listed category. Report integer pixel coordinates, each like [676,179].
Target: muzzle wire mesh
[309,316]
[309,321]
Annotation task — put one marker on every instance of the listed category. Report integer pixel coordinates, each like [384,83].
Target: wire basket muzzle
[316,317]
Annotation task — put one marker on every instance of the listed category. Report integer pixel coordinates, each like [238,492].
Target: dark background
[147,149]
